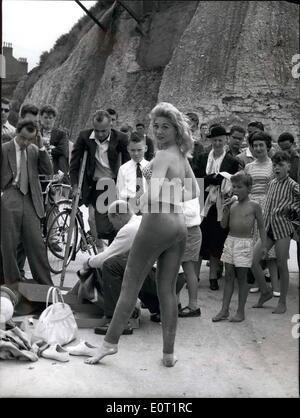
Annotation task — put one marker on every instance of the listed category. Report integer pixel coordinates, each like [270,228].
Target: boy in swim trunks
[240,214]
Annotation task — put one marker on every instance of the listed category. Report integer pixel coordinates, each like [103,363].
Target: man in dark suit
[107,150]
[7,130]
[55,141]
[208,166]
[22,203]
[140,130]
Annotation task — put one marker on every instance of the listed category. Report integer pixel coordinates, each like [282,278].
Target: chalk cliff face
[228,61]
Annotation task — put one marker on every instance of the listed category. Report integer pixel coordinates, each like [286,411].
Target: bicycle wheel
[54,210]
[56,241]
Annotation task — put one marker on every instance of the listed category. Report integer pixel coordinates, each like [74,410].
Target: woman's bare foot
[107,349]
[264,297]
[221,316]
[280,309]
[238,317]
[169,360]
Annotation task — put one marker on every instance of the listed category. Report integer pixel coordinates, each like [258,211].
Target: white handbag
[56,324]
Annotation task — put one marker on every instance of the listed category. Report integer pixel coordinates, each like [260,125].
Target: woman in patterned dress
[261,171]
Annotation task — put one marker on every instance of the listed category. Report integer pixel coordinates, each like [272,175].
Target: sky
[33,26]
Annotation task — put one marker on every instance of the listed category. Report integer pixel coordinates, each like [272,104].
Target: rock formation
[228,61]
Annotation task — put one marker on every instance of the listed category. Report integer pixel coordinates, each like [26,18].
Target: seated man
[112,262]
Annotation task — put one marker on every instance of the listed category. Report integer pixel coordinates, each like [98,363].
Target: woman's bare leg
[153,237]
[167,269]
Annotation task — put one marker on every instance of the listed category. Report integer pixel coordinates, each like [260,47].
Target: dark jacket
[149,154]
[38,163]
[60,154]
[198,149]
[229,164]
[295,163]
[117,155]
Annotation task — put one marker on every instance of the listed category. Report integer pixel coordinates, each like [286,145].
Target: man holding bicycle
[107,150]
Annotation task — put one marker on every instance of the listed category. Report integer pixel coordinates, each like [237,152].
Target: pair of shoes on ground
[83,348]
[103,330]
[187,312]
[213,284]
[56,352]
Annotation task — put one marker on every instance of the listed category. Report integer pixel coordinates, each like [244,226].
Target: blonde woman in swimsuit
[162,233]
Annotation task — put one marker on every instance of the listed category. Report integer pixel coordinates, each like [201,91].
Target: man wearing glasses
[7,130]
[22,203]
[107,150]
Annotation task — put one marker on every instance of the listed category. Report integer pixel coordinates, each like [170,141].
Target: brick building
[15,69]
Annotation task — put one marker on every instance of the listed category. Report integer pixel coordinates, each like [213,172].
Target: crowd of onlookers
[122,155]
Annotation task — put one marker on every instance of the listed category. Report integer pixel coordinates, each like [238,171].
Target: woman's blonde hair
[179,120]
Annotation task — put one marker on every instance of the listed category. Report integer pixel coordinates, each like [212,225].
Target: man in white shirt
[130,182]
[127,224]
[7,130]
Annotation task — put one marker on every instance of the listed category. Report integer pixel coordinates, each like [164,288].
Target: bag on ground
[56,324]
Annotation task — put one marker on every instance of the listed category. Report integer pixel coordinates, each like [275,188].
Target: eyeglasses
[4,110]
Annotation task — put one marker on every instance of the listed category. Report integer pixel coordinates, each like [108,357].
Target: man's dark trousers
[19,222]
[112,276]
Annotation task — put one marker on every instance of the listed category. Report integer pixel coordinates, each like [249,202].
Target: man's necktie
[23,181]
[139,181]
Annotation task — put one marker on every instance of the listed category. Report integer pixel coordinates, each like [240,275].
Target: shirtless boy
[240,214]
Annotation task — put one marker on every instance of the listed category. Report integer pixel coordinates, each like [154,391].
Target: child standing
[130,182]
[240,215]
[283,196]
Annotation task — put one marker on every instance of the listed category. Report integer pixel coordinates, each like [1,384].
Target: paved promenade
[255,358]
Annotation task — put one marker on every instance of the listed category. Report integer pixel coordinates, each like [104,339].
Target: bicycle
[56,198]
[57,239]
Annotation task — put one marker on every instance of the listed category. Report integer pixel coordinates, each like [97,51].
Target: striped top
[262,174]
[282,194]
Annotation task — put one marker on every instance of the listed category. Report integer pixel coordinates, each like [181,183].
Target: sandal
[187,312]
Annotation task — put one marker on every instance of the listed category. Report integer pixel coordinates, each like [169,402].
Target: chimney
[7,49]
